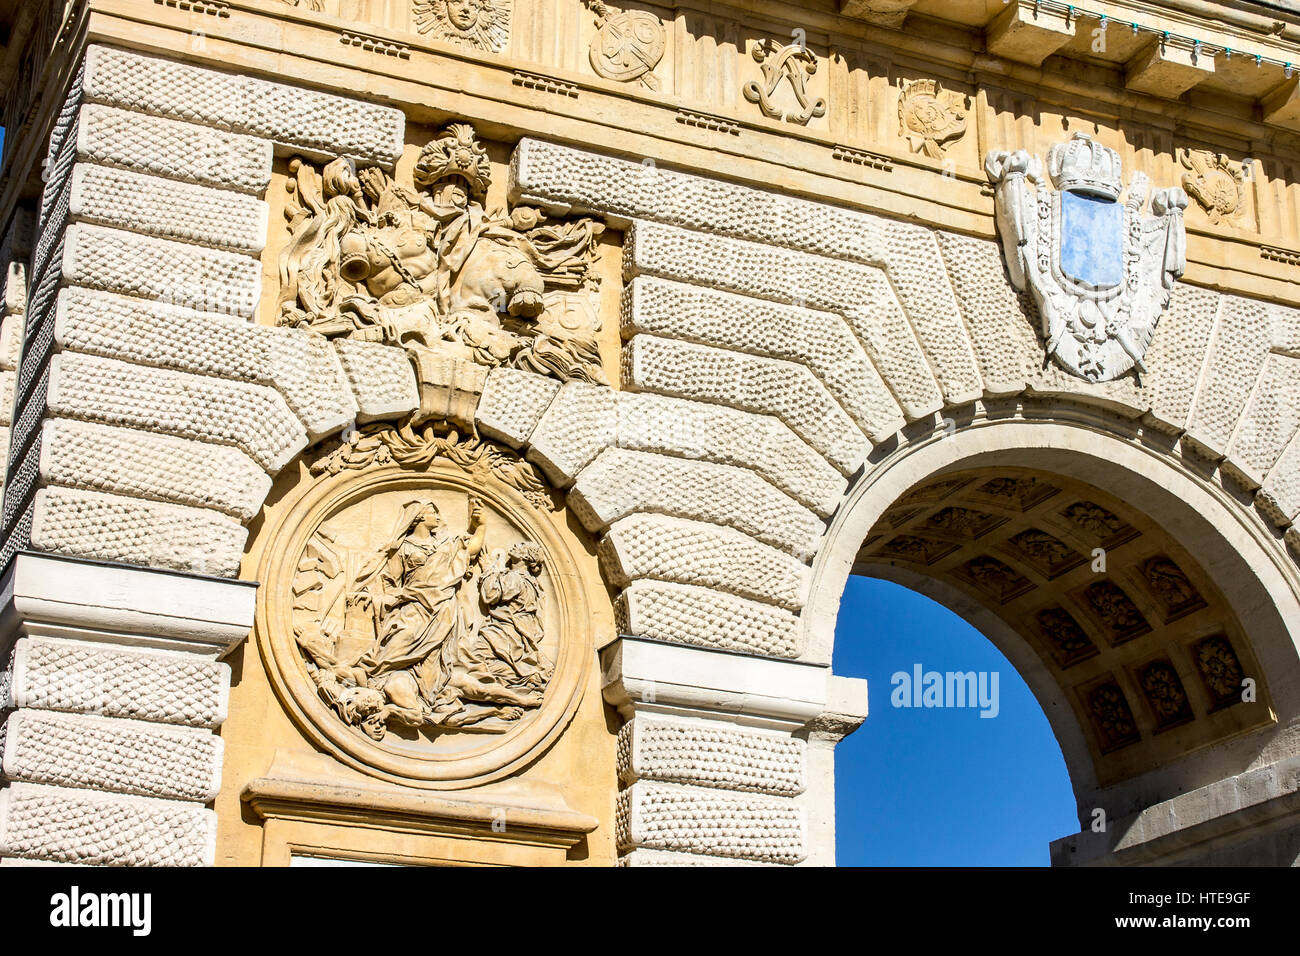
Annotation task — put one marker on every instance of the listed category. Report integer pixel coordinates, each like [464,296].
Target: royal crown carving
[1100,270]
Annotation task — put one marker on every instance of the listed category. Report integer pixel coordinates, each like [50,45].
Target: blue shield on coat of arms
[1092,240]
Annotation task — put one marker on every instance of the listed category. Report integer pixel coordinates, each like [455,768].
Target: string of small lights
[1199,47]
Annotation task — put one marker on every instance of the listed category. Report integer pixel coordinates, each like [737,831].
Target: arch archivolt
[790,371]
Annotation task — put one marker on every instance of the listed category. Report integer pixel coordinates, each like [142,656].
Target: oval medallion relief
[424,625]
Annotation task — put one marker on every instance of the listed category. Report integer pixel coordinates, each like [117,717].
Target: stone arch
[1258,583]
[777,350]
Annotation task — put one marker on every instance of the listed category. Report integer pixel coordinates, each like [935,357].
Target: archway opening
[924,785]
[1115,653]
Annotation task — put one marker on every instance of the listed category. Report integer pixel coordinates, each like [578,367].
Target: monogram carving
[792,64]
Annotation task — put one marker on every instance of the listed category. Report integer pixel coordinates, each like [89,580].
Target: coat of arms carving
[792,64]
[1216,183]
[481,24]
[1100,269]
[931,118]
[628,44]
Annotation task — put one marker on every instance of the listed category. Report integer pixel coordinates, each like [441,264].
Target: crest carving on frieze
[628,45]
[1216,183]
[418,261]
[1100,264]
[931,118]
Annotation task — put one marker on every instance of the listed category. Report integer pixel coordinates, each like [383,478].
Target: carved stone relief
[481,24]
[1220,669]
[1115,610]
[1171,586]
[1066,639]
[1216,183]
[1111,715]
[429,629]
[1099,524]
[419,612]
[1050,555]
[1100,270]
[422,264]
[628,44]
[931,118]
[793,65]
[1165,694]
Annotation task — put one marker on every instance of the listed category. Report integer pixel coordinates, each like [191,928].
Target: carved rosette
[420,615]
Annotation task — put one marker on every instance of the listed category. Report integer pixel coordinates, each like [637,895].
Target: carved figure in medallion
[931,118]
[793,64]
[431,634]
[1216,183]
[426,266]
[482,24]
[1100,270]
[628,44]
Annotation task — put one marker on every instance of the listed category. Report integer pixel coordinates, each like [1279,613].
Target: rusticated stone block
[89,524]
[381,378]
[862,294]
[561,175]
[664,548]
[698,820]
[161,207]
[1270,420]
[294,116]
[159,686]
[818,339]
[621,482]
[59,825]
[513,403]
[707,754]
[164,147]
[760,385]
[111,754]
[254,418]
[683,614]
[729,436]
[208,280]
[301,365]
[143,464]
[579,423]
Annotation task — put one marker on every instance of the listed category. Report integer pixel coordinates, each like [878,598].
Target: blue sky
[940,787]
